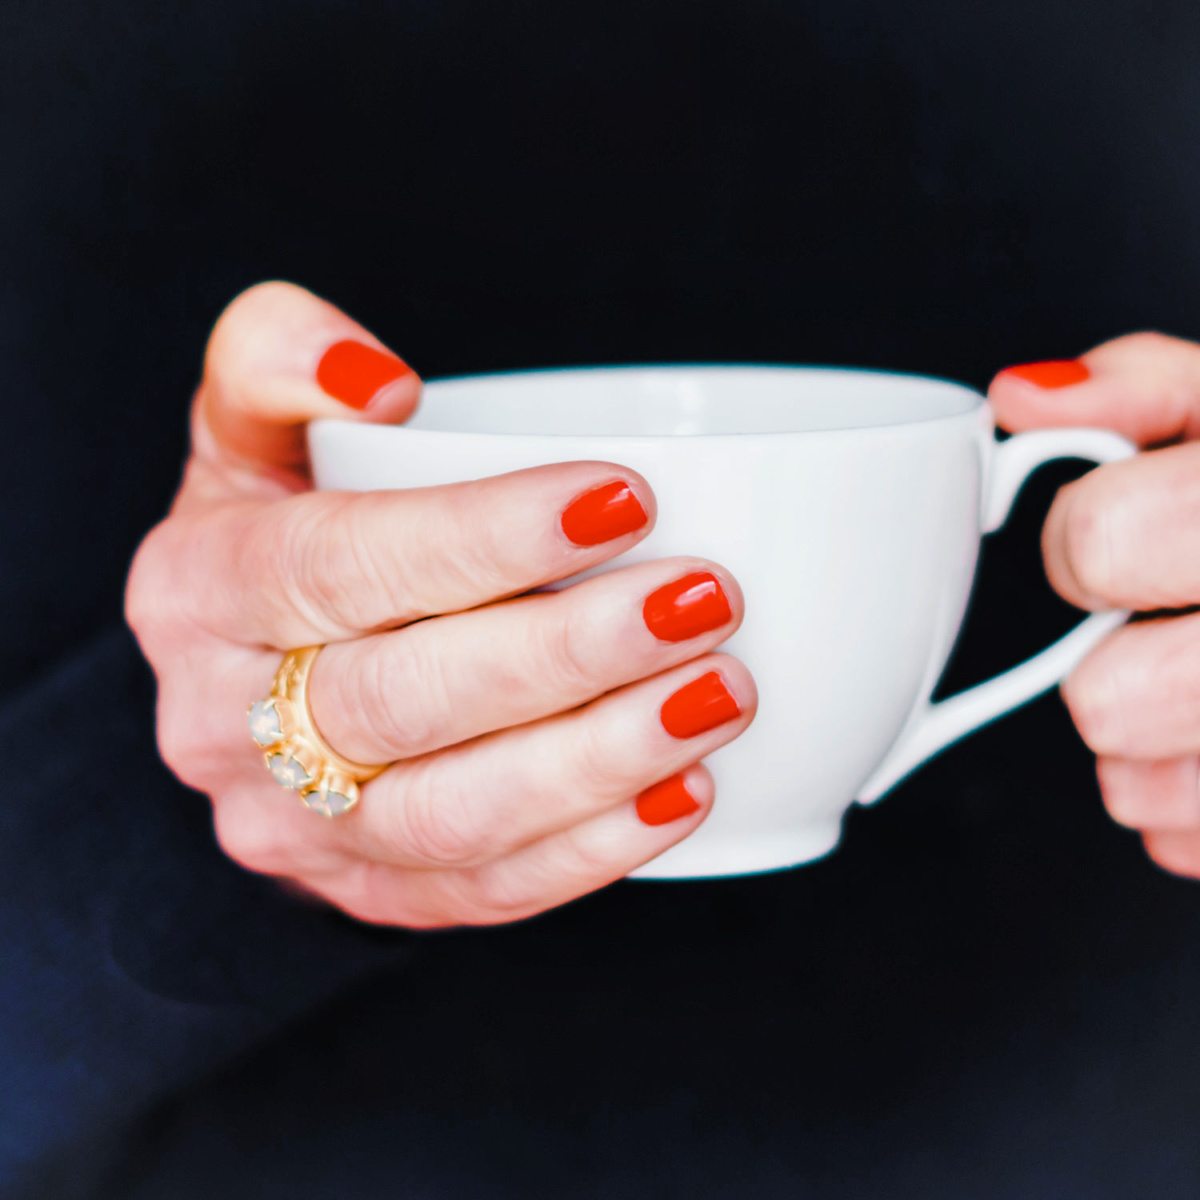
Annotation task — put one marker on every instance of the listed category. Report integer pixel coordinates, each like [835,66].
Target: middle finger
[1137,695]
[330,566]
[1127,535]
[440,682]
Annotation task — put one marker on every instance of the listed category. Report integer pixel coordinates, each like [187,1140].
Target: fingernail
[1054,374]
[353,373]
[698,707]
[607,512]
[687,608]
[665,802]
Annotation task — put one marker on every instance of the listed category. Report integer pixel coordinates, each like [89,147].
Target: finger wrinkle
[1094,696]
[1076,526]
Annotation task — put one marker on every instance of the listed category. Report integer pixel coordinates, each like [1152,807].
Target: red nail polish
[666,802]
[699,706]
[1053,374]
[607,512]
[687,608]
[353,373]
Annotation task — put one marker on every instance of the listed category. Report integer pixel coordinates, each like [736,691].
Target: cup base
[745,856]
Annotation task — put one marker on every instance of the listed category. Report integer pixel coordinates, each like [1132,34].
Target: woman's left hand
[1127,535]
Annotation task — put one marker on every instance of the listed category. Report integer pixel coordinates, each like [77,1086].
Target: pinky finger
[541,875]
[1175,850]
[1160,794]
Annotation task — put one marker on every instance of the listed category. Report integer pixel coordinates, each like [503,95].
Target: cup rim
[977,398]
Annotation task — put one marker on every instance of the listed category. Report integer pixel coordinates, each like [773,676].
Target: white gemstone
[264,723]
[288,771]
[330,804]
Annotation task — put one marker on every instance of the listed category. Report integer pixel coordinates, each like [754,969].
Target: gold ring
[295,752]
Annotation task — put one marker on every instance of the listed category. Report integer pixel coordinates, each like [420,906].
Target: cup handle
[933,727]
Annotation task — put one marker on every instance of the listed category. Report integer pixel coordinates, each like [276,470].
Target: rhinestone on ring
[296,754]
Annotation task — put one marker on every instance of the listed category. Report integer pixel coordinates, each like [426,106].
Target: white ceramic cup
[848,504]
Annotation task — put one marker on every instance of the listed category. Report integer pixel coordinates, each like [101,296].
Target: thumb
[1144,385]
[279,357]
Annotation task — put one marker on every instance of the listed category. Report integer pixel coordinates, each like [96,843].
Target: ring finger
[479,801]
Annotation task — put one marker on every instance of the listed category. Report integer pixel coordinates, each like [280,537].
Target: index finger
[327,566]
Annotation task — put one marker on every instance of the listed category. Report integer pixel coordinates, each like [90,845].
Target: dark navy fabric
[134,955]
[988,991]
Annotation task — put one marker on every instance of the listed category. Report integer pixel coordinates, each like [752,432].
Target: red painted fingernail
[607,512]
[353,373]
[1053,374]
[666,801]
[687,608]
[699,706]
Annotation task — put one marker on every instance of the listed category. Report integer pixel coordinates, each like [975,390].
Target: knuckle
[1178,854]
[251,834]
[404,699]
[475,557]
[368,913]
[346,565]
[597,766]
[369,892]
[587,854]
[1121,804]
[1121,812]
[1094,699]
[182,744]
[1174,684]
[492,895]
[568,647]
[382,895]
[314,561]
[578,861]
[418,916]
[333,571]
[242,840]
[264,545]
[1088,545]
[149,597]
[432,821]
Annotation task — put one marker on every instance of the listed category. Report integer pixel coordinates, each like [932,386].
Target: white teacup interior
[679,401]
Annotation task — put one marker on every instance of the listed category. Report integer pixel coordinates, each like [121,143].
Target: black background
[988,990]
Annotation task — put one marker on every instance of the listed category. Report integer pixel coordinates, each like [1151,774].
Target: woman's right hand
[542,745]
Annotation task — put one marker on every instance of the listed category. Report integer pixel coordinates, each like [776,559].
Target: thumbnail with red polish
[687,608]
[665,802]
[602,514]
[353,373]
[1054,374]
[699,706]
